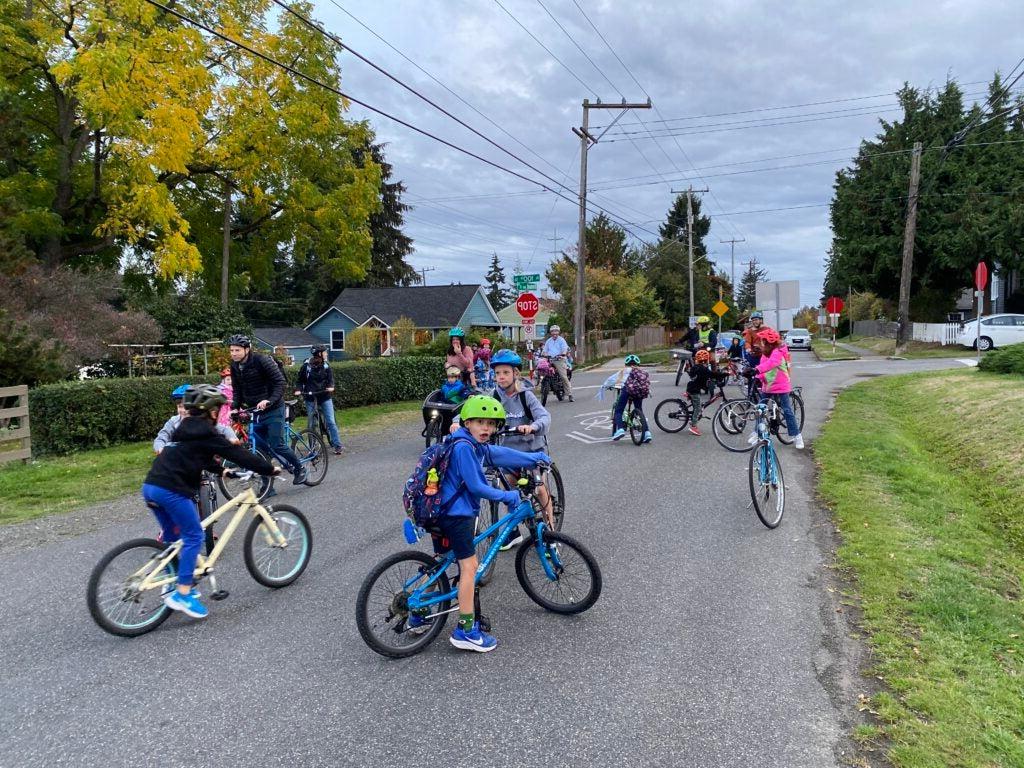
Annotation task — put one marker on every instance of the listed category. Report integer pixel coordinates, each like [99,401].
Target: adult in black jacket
[315,384]
[259,383]
[173,481]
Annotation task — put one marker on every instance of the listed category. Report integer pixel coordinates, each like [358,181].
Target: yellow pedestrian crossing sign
[720,308]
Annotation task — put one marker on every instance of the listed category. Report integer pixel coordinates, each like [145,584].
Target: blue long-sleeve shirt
[464,483]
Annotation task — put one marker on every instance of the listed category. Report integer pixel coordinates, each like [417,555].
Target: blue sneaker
[188,604]
[417,624]
[647,437]
[474,640]
[619,434]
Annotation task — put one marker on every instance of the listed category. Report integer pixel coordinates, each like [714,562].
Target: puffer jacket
[255,379]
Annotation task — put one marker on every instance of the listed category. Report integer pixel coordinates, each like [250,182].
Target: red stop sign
[527,305]
[834,305]
[981,276]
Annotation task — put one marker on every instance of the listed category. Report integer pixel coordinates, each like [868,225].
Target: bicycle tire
[308,444]
[798,409]
[396,606]
[636,432]
[761,492]
[566,569]
[558,498]
[292,523]
[679,371]
[96,601]
[493,514]
[672,421]
[730,422]
[230,487]
[545,390]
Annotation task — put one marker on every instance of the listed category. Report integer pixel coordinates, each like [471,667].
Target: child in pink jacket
[773,371]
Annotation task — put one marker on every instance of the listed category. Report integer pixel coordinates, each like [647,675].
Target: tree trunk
[225,256]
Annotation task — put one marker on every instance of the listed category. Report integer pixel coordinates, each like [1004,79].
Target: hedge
[1005,360]
[80,415]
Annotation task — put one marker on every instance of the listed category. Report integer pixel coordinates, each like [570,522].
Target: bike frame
[256,442]
[768,462]
[522,513]
[244,502]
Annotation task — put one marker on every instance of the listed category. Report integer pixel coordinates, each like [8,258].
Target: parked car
[996,331]
[725,338]
[798,338]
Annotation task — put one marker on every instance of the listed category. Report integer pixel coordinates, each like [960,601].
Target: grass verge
[915,349]
[924,486]
[824,352]
[62,483]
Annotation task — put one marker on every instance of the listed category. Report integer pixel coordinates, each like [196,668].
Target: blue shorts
[455,533]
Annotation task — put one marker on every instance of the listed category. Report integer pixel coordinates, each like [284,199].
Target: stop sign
[981,276]
[527,305]
[834,305]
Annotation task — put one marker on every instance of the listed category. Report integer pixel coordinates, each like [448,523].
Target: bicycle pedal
[220,594]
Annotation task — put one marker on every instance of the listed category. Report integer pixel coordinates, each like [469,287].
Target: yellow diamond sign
[720,308]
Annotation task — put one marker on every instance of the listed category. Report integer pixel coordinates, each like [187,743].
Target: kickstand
[218,594]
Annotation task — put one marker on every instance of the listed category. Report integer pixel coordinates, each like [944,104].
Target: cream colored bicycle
[126,588]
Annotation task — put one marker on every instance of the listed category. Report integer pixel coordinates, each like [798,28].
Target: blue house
[295,341]
[433,309]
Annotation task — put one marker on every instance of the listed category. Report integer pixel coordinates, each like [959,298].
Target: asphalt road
[715,642]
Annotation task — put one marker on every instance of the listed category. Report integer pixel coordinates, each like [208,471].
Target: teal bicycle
[767,485]
[556,572]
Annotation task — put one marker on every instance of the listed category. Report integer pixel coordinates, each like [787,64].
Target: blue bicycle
[767,486]
[556,572]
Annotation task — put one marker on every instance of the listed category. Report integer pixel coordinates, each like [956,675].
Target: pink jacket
[773,370]
[463,362]
[224,415]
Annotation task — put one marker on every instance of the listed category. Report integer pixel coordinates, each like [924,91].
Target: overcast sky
[696,61]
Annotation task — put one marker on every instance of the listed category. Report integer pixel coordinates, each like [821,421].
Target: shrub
[1006,360]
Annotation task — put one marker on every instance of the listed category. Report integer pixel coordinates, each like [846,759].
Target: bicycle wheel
[273,564]
[672,415]
[767,488]
[679,370]
[733,423]
[545,389]
[556,489]
[115,601]
[798,409]
[574,582]
[232,486]
[489,515]
[636,431]
[382,605]
[312,452]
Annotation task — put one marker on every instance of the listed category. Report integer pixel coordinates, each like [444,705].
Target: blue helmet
[757,314]
[506,357]
[457,332]
[179,392]
[632,360]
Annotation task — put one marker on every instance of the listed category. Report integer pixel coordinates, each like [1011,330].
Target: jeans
[620,408]
[178,518]
[696,402]
[786,403]
[270,426]
[327,409]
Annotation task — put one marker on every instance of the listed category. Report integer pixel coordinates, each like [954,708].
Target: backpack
[422,509]
[638,384]
[527,413]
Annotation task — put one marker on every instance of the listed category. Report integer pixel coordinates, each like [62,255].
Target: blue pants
[270,426]
[327,409]
[178,518]
[786,403]
[620,408]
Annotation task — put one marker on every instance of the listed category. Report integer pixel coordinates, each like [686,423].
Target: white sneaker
[752,440]
[798,442]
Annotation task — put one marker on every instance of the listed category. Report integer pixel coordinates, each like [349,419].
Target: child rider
[462,488]
[173,482]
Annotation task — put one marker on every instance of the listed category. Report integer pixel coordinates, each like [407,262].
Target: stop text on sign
[527,305]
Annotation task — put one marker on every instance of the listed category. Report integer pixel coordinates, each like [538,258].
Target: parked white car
[996,331]
[798,338]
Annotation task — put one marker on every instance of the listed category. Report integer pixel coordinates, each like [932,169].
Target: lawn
[63,483]
[915,349]
[823,351]
[924,486]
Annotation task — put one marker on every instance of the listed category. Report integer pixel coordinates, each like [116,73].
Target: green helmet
[203,397]
[482,407]
[457,333]
[703,319]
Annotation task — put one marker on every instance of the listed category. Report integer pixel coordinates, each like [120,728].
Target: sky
[742,91]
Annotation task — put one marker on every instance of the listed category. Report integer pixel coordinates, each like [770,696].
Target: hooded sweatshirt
[515,416]
[773,370]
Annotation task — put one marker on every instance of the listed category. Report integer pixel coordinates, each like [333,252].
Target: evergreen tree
[746,298]
[391,245]
[497,293]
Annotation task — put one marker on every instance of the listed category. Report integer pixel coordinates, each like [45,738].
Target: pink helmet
[770,335]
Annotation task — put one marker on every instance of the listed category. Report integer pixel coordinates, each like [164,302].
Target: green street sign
[525,282]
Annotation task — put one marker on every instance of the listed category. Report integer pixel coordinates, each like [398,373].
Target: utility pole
[423,273]
[909,231]
[732,259]
[554,240]
[689,231]
[586,139]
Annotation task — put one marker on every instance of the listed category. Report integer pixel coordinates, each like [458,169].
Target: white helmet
[554,328]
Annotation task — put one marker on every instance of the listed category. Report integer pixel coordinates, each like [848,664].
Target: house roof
[285,337]
[431,306]
[509,316]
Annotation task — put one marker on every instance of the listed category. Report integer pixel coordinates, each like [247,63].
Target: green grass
[916,350]
[656,357]
[924,486]
[823,351]
[63,483]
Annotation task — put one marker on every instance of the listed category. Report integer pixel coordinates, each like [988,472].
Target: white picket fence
[939,333]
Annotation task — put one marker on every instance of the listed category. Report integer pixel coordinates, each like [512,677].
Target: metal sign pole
[977,339]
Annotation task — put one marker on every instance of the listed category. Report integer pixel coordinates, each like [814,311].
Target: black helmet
[203,397]
[239,340]
[318,349]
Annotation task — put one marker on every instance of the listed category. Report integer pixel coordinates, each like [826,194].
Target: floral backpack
[638,384]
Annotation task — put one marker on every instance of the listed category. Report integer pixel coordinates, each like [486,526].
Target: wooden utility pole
[423,273]
[689,236]
[225,253]
[732,260]
[909,231]
[586,139]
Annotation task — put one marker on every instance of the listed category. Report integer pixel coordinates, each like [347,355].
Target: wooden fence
[14,426]
[605,343]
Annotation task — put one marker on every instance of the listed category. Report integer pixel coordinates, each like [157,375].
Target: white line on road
[596,386]
[587,439]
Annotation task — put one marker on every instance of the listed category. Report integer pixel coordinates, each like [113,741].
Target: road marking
[602,420]
[597,386]
[588,439]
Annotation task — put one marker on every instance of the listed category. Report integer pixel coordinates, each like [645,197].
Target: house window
[337,341]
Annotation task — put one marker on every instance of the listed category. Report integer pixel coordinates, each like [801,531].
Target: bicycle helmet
[317,349]
[482,407]
[453,370]
[701,356]
[703,320]
[757,314]
[179,392]
[203,397]
[239,340]
[225,372]
[770,335]
[632,360]
[506,357]
[456,332]
[554,328]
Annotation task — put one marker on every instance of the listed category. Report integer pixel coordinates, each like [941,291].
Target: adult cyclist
[315,385]
[703,336]
[259,384]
